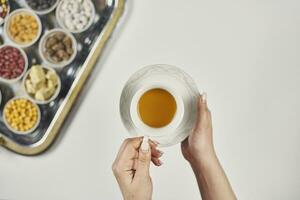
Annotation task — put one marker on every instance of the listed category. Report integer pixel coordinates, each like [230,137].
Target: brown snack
[58,47]
[67,42]
[59,36]
[50,42]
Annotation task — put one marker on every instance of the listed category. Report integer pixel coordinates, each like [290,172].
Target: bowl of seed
[4,10]
[23,27]
[42,7]
[41,84]
[58,48]
[13,63]
[21,115]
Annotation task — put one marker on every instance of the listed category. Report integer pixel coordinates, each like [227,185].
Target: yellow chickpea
[17,117]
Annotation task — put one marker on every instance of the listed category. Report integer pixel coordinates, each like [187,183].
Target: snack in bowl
[42,84]
[21,115]
[23,27]
[4,10]
[42,6]
[58,48]
[13,63]
[75,16]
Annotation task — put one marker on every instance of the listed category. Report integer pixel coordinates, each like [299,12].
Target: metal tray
[73,76]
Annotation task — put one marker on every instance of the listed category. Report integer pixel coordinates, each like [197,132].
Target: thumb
[203,113]
[144,159]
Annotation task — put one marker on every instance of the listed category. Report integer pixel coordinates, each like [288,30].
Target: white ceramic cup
[150,131]
[177,83]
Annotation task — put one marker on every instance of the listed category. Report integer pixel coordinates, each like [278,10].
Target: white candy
[61,14]
[80,26]
[76,8]
[64,6]
[69,25]
[84,20]
[76,14]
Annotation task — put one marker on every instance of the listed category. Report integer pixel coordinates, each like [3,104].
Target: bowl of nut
[23,27]
[58,48]
[21,115]
[13,63]
[41,84]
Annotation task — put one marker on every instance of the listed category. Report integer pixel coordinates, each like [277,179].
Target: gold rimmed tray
[91,44]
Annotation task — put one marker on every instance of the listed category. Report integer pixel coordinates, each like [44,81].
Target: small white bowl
[42,47]
[0,97]
[7,23]
[43,12]
[54,96]
[10,81]
[62,24]
[8,10]
[20,132]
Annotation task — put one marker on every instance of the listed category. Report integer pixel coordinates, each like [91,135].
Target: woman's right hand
[198,150]
[198,147]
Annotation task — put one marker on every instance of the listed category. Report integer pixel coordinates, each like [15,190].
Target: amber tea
[157,108]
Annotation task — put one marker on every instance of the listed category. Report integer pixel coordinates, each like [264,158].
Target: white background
[243,53]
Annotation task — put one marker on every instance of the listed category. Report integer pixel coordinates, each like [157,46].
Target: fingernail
[204,97]
[160,152]
[161,162]
[155,142]
[145,145]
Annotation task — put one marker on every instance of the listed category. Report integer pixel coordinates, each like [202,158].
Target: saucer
[175,81]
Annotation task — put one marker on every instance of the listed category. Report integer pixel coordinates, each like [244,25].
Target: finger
[156,161]
[156,153]
[134,142]
[126,155]
[144,159]
[129,148]
[203,117]
[153,143]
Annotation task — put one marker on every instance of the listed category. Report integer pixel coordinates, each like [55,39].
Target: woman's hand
[131,167]
[198,147]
